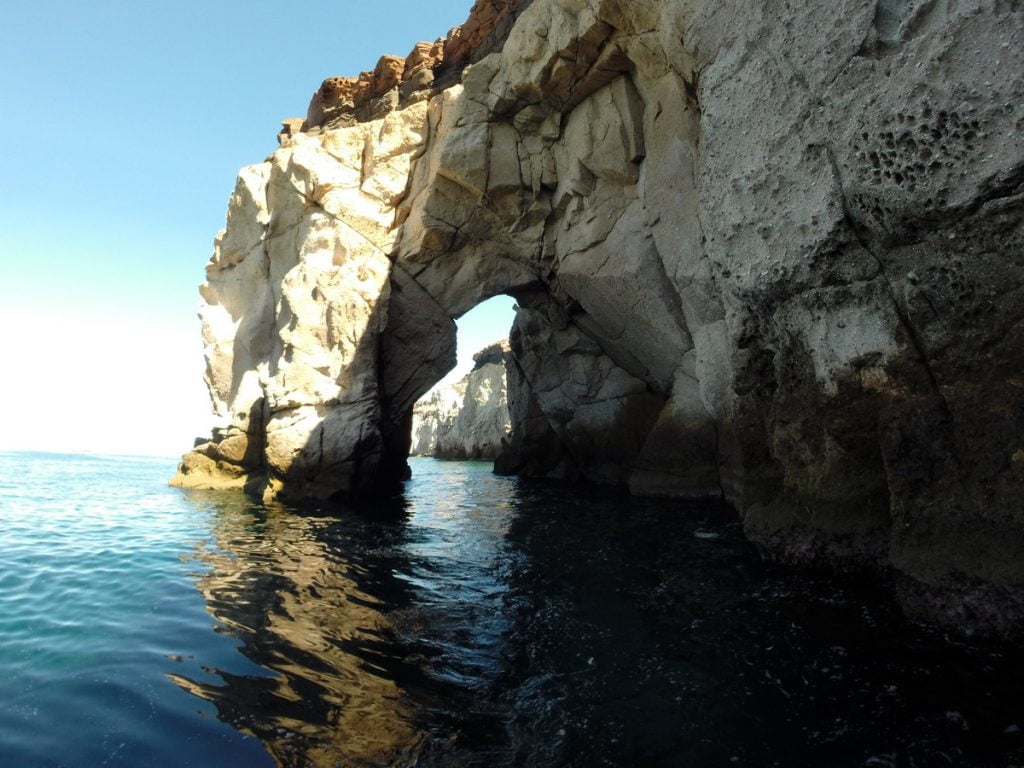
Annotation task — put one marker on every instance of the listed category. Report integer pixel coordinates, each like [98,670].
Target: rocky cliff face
[767,251]
[468,420]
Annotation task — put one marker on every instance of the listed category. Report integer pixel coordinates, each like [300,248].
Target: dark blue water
[474,621]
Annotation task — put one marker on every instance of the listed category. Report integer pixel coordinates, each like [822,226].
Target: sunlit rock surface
[296,297]
[770,253]
[469,419]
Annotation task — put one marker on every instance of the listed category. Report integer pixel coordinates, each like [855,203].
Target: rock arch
[782,267]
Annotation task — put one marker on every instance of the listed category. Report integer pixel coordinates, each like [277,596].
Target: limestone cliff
[469,419]
[768,251]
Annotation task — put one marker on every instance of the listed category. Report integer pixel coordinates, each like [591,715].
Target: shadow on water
[486,621]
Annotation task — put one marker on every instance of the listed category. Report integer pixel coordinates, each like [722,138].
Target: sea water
[473,620]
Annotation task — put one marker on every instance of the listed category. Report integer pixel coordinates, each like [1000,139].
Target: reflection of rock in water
[310,599]
[501,623]
[378,640]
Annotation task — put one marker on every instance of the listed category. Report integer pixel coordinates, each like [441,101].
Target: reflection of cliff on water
[487,621]
[371,634]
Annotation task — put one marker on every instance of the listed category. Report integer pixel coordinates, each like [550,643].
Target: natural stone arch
[601,339]
[823,327]
[489,200]
[417,349]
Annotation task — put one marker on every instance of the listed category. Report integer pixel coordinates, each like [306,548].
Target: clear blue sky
[126,123]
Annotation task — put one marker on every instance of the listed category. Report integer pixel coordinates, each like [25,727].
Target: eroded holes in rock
[465,415]
[919,147]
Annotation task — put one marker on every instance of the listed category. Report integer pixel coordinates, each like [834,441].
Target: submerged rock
[772,254]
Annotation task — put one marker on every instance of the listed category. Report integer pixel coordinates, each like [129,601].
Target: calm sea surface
[474,621]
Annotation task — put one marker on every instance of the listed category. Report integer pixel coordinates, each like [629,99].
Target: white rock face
[433,413]
[468,420]
[769,253]
[296,296]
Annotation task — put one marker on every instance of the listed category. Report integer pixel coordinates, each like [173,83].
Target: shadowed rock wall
[767,251]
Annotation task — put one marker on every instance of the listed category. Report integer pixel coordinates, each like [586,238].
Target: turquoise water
[472,621]
[98,608]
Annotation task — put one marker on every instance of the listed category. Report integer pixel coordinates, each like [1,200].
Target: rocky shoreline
[771,255]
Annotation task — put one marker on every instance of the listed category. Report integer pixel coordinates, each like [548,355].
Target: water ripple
[476,621]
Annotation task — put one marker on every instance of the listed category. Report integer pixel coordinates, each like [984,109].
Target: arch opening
[465,415]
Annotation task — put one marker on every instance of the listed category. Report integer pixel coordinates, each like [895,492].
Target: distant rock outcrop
[469,419]
[770,252]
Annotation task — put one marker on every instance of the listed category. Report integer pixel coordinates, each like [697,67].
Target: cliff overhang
[771,255]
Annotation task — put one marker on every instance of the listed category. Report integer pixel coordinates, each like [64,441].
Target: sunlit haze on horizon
[131,121]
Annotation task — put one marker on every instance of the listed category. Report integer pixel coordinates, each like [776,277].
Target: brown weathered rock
[424,56]
[485,30]
[769,253]
[343,100]
[289,128]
